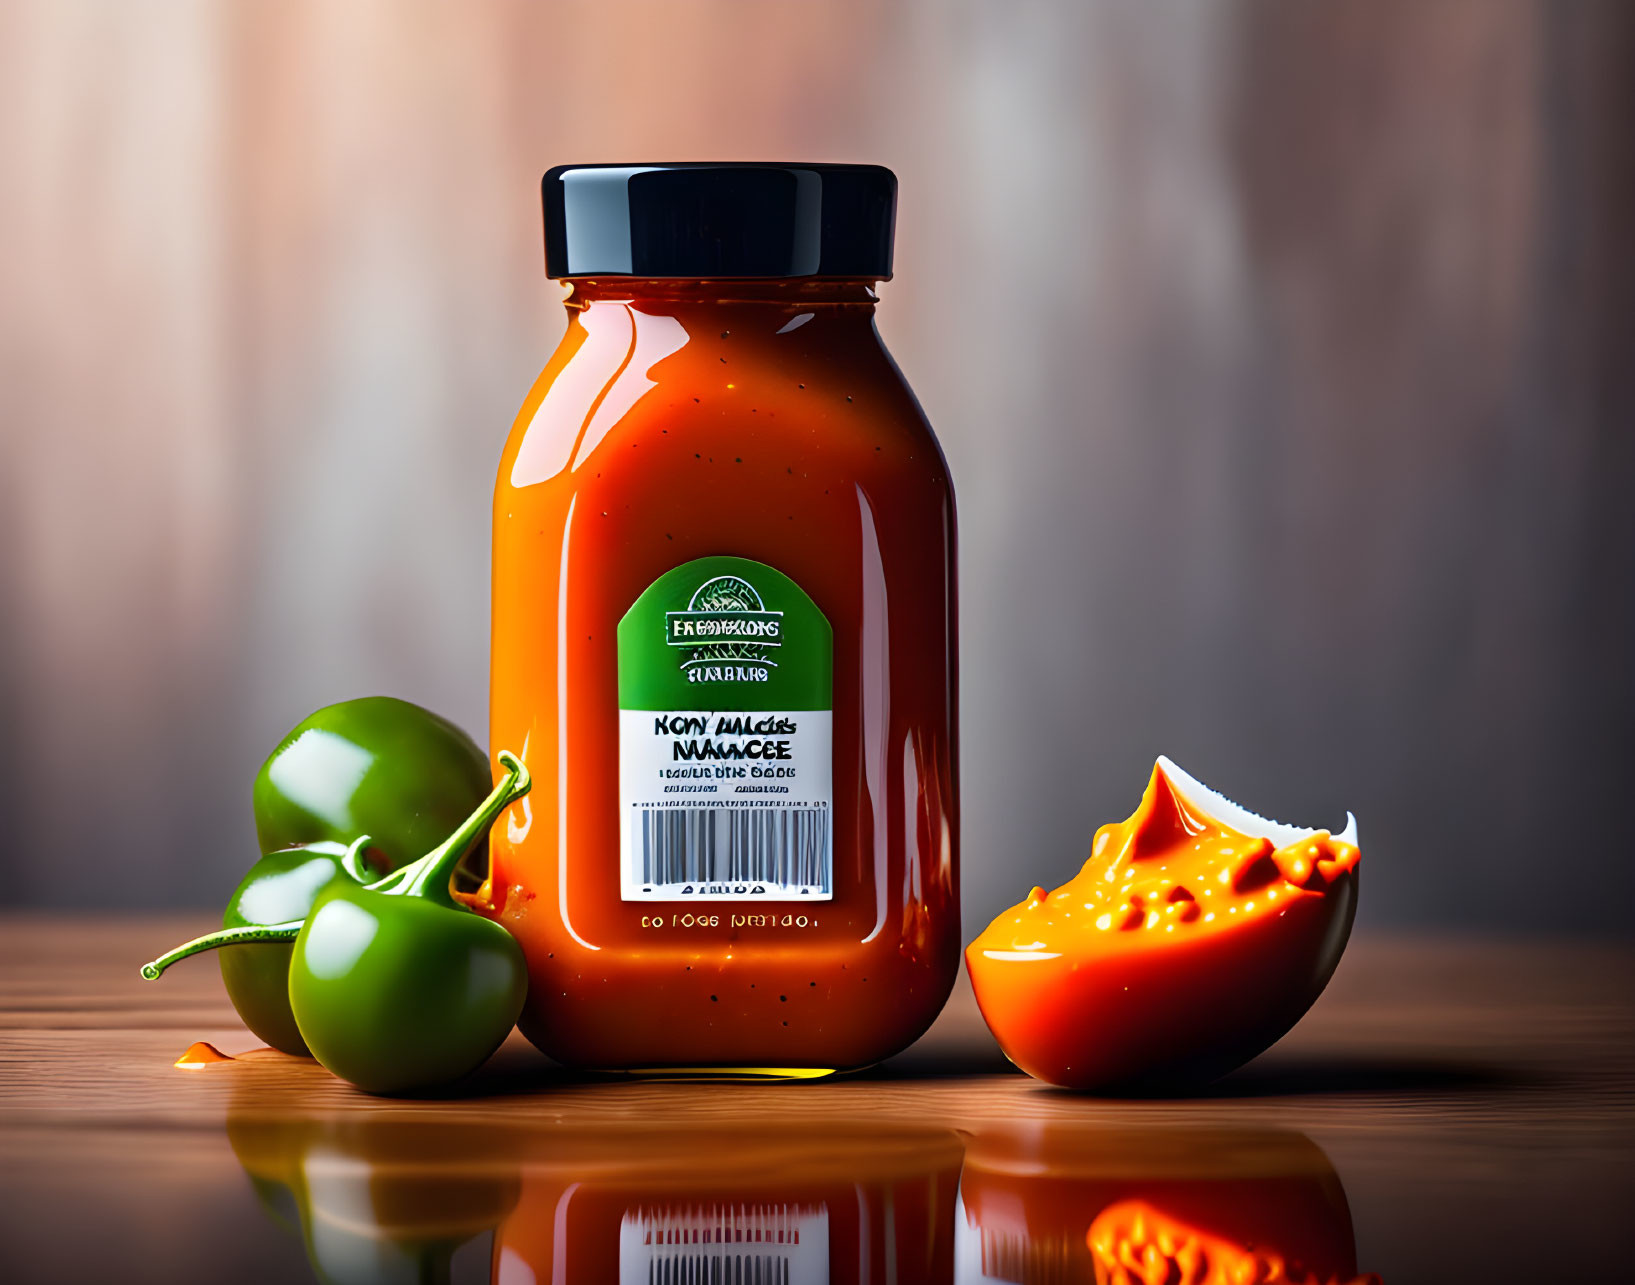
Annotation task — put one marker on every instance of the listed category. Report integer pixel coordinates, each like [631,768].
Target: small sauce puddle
[200,1055]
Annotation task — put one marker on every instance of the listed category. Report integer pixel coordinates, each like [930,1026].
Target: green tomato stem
[389,883]
[352,862]
[285,932]
[429,877]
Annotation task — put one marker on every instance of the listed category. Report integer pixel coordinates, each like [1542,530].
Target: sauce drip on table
[200,1055]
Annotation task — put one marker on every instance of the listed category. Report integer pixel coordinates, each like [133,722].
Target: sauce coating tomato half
[1194,937]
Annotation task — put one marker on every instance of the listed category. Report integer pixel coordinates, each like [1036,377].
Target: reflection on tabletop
[389,1196]
[1048,1203]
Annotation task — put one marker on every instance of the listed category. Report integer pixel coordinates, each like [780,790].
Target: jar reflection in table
[396,1196]
[842,1204]
[400,1195]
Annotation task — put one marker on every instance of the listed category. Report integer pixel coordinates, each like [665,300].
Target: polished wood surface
[1476,1100]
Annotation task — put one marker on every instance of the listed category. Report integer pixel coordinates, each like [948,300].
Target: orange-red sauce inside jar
[755,418]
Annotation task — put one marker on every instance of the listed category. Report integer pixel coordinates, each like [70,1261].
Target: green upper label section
[725,634]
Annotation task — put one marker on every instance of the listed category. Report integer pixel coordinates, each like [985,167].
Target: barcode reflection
[725,1245]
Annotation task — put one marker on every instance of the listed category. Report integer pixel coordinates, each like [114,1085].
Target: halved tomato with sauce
[1194,937]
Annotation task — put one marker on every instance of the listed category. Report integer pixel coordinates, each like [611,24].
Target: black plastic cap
[723,220]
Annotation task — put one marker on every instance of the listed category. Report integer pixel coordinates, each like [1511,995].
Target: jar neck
[670,294]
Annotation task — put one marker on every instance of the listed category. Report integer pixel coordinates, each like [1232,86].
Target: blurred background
[1284,355]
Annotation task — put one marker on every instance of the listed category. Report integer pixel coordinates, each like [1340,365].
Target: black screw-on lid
[722,220]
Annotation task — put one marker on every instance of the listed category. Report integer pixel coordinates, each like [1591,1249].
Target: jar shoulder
[613,386]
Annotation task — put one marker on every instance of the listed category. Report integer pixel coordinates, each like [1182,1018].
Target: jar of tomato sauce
[724,635]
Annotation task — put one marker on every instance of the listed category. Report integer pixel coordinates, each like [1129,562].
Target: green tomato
[393,985]
[279,888]
[403,993]
[377,766]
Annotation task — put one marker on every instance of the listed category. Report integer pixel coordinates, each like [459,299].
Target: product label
[726,748]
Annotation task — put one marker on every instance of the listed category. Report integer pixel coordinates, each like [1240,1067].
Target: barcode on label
[725,1245]
[724,852]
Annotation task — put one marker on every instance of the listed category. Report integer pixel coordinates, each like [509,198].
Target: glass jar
[724,636]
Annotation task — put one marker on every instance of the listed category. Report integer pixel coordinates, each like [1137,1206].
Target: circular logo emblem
[726,632]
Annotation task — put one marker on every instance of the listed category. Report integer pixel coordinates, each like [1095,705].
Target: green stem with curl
[428,877]
[286,932]
[353,863]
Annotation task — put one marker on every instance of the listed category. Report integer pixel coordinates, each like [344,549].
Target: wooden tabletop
[1475,1102]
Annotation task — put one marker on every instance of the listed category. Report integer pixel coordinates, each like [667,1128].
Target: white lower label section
[726,806]
[754,1244]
